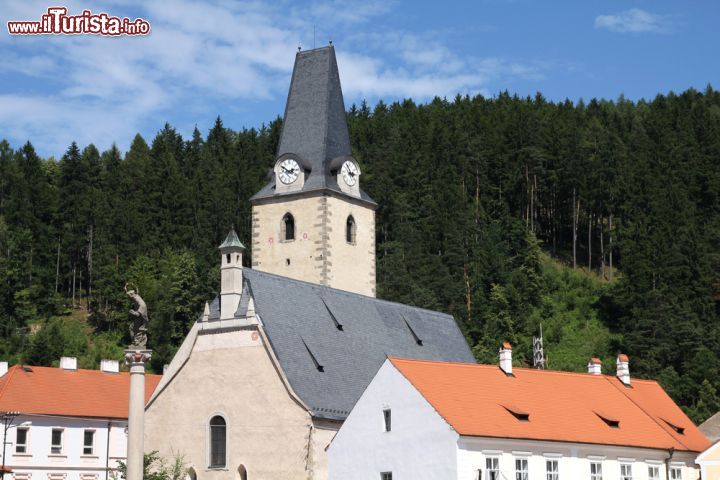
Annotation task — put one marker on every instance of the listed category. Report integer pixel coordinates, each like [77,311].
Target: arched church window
[191,475]
[288,228]
[350,230]
[218,443]
[242,472]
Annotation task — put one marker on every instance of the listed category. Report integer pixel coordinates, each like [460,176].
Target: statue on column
[138,320]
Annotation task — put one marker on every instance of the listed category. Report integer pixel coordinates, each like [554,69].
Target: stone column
[136,360]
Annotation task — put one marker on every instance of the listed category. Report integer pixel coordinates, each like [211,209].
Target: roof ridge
[345,292]
[11,372]
[493,365]
[651,417]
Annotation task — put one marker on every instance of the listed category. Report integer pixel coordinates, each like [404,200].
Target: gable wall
[231,374]
[420,444]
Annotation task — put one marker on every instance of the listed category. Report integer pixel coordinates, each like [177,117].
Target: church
[272,368]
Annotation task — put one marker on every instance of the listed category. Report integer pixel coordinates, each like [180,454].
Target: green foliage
[156,467]
[598,220]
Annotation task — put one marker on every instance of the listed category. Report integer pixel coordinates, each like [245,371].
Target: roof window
[608,419]
[680,430]
[517,412]
[319,367]
[418,340]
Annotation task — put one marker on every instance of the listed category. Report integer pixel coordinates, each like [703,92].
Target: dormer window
[287,228]
[350,230]
[518,412]
[608,419]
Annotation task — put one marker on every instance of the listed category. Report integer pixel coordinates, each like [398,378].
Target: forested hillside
[598,220]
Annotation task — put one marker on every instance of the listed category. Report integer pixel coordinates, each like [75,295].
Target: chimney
[623,368]
[68,363]
[506,358]
[110,366]
[595,366]
[3,368]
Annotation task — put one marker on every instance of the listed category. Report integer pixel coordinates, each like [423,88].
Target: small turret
[231,280]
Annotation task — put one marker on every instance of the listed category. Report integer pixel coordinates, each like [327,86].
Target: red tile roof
[480,400]
[73,393]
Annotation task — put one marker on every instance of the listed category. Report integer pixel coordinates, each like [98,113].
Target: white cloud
[634,20]
[104,90]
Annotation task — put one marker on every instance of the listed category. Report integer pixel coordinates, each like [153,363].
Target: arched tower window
[218,442]
[242,472]
[191,475]
[287,228]
[350,230]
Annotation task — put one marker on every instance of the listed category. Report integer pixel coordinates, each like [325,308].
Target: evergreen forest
[597,221]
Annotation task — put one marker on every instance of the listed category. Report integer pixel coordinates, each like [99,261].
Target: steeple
[315,127]
[314,130]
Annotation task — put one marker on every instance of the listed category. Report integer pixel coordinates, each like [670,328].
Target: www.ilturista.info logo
[57,22]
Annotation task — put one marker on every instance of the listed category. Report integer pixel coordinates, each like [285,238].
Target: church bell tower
[312,221]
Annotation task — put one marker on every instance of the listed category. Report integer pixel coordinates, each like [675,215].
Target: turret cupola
[231,252]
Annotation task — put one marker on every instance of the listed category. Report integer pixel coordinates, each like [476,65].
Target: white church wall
[420,445]
[230,373]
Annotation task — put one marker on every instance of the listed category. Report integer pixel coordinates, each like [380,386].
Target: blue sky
[234,59]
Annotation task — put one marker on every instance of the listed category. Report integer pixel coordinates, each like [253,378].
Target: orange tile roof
[73,393]
[479,400]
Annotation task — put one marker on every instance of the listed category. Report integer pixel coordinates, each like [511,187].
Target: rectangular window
[595,471]
[653,472]
[552,470]
[21,440]
[88,442]
[56,445]
[387,415]
[386,476]
[492,468]
[625,471]
[675,473]
[521,469]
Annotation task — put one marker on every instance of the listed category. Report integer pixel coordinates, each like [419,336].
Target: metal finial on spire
[299,48]
[330,42]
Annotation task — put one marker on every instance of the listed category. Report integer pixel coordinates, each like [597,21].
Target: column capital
[137,357]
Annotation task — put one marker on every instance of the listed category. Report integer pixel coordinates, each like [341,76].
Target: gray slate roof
[711,428]
[314,126]
[301,320]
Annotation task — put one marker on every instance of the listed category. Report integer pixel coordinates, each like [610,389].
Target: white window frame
[598,473]
[23,445]
[92,445]
[549,473]
[623,473]
[490,468]
[673,469]
[58,446]
[521,474]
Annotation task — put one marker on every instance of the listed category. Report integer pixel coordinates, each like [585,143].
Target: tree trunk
[468,295]
[576,211]
[590,242]
[602,250]
[90,262]
[73,287]
[57,268]
[611,247]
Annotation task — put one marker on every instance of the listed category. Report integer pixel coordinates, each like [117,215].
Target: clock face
[289,171]
[350,173]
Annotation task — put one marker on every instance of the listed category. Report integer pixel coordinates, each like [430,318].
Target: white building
[435,420]
[72,422]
